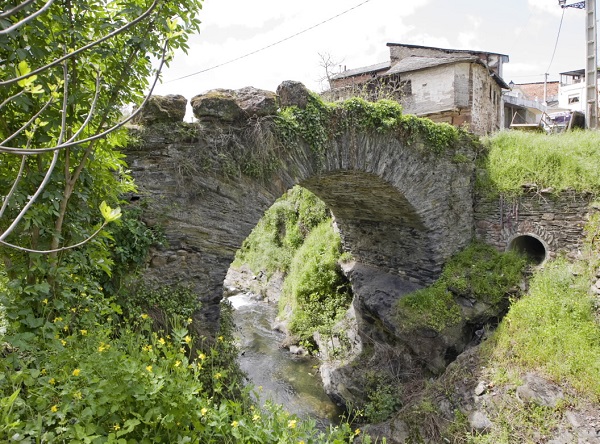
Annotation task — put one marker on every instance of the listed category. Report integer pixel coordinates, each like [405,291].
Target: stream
[287,379]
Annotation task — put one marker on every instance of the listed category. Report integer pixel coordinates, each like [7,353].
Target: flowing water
[287,379]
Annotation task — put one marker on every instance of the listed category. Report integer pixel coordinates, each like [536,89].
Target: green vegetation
[553,330]
[281,231]
[320,122]
[383,397]
[315,288]
[295,237]
[483,273]
[569,160]
[478,272]
[81,360]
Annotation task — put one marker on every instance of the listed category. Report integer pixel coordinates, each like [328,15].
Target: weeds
[569,160]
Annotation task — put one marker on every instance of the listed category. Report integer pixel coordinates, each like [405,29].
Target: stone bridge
[402,210]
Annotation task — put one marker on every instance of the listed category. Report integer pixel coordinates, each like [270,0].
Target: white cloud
[526,31]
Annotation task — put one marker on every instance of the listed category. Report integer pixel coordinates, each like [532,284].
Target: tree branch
[83,48]
[27,19]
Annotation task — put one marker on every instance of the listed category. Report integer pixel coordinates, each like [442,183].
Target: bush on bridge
[320,122]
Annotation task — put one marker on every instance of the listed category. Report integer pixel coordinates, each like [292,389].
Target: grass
[569,160]
[281,231]
[315,287]
[553,330]
[478,272]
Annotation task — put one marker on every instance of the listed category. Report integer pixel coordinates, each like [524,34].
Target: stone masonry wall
[400,210]
[556,221]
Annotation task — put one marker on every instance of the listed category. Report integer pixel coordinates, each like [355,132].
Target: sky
[525,30]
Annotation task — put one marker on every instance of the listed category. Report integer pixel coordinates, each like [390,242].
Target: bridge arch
[401,207]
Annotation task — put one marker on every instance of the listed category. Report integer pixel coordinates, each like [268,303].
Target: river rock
[170,108]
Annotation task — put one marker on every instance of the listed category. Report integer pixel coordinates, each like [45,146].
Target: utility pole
[591,67]
[591,60]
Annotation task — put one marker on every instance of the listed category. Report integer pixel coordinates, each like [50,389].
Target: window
[574,99]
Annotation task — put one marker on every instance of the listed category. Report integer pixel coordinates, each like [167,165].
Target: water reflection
[287,379]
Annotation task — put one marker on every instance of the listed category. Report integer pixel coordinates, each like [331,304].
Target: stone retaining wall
[556,221]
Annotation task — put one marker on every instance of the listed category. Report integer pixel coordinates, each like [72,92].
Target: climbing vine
[321,122]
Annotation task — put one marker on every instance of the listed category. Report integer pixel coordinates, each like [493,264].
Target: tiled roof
[364,70]
[415,63]
[533,90]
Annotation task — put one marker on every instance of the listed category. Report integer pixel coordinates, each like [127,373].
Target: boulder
[539,391]
[218,104]
[292,93]
[256,102]
[480,422]
[170,108]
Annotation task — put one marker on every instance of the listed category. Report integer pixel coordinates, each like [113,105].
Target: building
[460,87]
[526,103]
[571,95]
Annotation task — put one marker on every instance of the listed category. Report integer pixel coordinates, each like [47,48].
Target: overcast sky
[525,30]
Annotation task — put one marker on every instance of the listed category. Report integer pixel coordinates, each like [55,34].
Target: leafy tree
[68,69]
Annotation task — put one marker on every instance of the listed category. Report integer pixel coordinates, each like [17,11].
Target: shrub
[315,287]
[479,272]
[275,239]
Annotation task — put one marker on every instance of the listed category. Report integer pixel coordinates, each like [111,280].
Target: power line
[268,46]
[556,43]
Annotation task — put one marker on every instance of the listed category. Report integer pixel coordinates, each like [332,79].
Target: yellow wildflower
[218,375]
[147,348]
[234,424]
[54,408]
[73,309]
[116,427]
[77,395]
[45,301]
[43,372]
[66,327]
[103,347]
[357,432]
[52,381]
[292,424]
[162,341]
[149,369]
[220,338]
[255,417]
[144,316]
[202,356]
[203,411]
[187,339]
[83,332]
[177,363]
[189,320]
[76,372]
[57,319]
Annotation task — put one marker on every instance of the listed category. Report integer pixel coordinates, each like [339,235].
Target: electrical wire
[268,46]
[557,37]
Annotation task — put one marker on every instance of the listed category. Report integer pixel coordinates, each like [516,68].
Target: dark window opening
[530,246]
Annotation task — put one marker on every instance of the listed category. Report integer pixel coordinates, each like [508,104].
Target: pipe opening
[530,246]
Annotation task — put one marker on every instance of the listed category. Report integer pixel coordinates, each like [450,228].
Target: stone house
[460,87]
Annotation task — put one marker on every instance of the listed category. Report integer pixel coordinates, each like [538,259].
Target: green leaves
[109,214]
